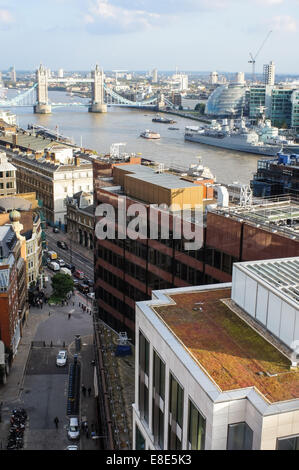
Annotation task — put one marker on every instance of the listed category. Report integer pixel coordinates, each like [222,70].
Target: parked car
[61,358]
[64,270]
[69,266]
[61,262]
[78,274]
[52,254]
[89,282]
[91,295]
[84,288]
[62,244]
[76,282]
[55,230]
[73,429]
[72,447]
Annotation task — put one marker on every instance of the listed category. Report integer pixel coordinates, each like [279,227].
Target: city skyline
[213,35]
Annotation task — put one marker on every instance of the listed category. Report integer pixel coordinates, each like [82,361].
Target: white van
[54,266]
[66,271]
[73,429]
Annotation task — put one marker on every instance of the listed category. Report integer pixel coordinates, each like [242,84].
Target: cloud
[123,16]
[283,23]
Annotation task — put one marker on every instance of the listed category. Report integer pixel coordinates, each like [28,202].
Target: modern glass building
[227,101]
[281,106]
[295,110]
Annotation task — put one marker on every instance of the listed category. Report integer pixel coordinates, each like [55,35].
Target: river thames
[99,131]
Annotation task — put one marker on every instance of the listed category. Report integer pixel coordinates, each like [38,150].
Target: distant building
[216,368]
[180,82]
[8,117]
[12,74]
[176,99]
[240,78]
[155,76]
[8,182]
[213,78]
[226,101]
[269,73]
[276,177]
[60,73]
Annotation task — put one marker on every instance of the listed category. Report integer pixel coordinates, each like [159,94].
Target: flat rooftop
[281,275]
[232,353]
[274,214]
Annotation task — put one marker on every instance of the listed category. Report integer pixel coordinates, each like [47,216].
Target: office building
[60,73]
[281,106]
[12,74]
[129,270]
[179,82]
[269,73]
[276,177]
[295,110]
[213,78]
[240,78]
[226,101]
[216,366]
[155,76]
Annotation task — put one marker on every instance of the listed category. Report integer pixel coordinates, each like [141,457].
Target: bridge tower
[42,106]
[160,100]
[97,92]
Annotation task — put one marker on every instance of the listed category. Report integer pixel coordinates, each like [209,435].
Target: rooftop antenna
[252,59]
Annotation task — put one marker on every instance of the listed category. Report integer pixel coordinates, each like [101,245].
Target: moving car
[61,358]
[64,270]
[61,262]
[72,447]
[62,244]
[84,288]
[55,230]
[69,266]
[79,274]
[52,254]
[91,295]
[73,429]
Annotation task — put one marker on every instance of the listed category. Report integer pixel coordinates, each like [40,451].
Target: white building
[8,182]
[213,78]
[240,78]
[8,117]
[155,76]
[60,73]
[269,73]
[210,374]
[180,82]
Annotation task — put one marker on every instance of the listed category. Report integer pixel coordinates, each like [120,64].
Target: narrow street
[43,388]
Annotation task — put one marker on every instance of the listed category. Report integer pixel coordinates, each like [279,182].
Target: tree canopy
[62,284]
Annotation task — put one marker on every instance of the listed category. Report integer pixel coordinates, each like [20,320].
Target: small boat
[147,134]
[174,128]
[163,120]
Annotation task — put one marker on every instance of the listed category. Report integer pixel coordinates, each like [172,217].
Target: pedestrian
[69,316]
[56,421]
[89,391]
[79,304]
[84,390]
[73,304]
[87,432]
[41,304]
[49,313]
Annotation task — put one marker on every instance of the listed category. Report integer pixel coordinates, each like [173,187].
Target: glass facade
[227,101]
[281,107]
[239,437]
[143,377]
[176,410]
[158,400]
[140,441]
[288,443]
[196,428]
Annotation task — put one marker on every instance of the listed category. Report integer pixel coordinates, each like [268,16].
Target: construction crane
[252,61]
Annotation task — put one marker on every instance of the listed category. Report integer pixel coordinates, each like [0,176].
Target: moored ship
[241,139]
[163,120]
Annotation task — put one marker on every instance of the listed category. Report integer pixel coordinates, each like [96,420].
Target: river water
[99,131]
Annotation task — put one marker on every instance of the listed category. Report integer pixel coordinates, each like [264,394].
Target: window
[239,437]
[158,400]
[143,377]
[140,441]
[10,185]
[176,404]
[196,428]
[288,443]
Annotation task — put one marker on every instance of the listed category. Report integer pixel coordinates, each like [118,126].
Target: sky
[198,35]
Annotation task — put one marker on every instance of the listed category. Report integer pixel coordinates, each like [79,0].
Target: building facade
[8,184]
[80,219]
[269,73]
[129,270]
[211,373]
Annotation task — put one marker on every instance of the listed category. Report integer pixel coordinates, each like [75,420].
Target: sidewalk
[88,407]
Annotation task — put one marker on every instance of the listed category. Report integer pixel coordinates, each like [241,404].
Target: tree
[200,107]
[62,284]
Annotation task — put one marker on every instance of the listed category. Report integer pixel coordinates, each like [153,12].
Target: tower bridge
[101,95]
